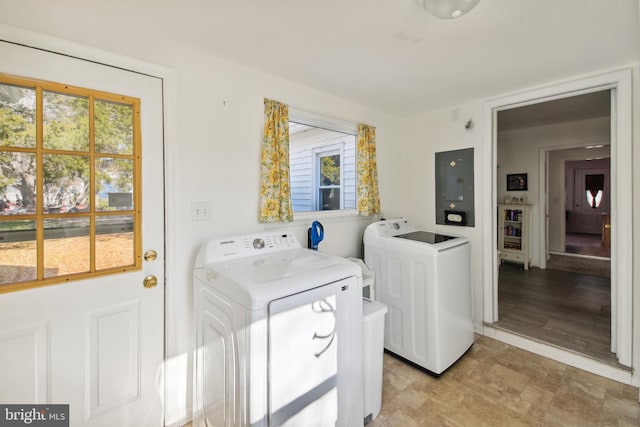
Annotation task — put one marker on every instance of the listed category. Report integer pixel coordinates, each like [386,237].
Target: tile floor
[496,385]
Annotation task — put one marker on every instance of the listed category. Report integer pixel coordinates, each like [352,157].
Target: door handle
[150,282]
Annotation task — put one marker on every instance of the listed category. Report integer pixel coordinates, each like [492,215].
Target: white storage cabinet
[514,234]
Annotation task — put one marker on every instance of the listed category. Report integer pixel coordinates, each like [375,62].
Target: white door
[96,344]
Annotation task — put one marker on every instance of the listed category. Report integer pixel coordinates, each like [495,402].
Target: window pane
[330,170]
[319,158]
[114,184]
[329,199]
[66,122]
[594,202]
[66,183]
[66,246]
[18,256]
[114,241]
[17,181]
[17,116]
[114,128]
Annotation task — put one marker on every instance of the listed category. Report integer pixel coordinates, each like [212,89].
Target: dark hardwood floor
[566,309]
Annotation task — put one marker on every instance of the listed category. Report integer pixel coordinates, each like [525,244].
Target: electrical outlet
[200,211]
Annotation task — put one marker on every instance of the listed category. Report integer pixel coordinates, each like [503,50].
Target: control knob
[258,243]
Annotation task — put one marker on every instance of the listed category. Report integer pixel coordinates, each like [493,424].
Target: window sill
[304,218]
[341,214]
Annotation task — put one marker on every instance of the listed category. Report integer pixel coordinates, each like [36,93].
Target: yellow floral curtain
[275,193]
[367,170]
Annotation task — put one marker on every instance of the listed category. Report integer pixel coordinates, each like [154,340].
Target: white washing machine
[278,335]
[424,279]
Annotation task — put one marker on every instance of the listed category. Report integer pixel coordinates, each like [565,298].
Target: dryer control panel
[247,245]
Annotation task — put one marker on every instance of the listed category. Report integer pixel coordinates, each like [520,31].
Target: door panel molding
[113,338]
[24,364]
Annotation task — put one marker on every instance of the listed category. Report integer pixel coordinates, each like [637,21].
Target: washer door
[305,344]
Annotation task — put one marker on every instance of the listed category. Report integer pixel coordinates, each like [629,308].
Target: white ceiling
[388,54]
[581,107]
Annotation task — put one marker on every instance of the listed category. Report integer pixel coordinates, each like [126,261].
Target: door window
[594,187]
[69,183]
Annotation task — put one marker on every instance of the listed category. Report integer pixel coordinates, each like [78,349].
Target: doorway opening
[614,308]
[579,232]
[568,303]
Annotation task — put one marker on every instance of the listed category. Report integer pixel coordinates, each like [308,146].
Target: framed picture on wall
[517,182]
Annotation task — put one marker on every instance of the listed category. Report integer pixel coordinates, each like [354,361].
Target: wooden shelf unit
[514,234]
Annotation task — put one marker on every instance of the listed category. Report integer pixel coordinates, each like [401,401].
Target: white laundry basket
[373,328]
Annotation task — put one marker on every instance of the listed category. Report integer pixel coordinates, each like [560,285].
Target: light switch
[200,211]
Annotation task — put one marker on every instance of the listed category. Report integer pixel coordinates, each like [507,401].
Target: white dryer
[278,335]
[424,278]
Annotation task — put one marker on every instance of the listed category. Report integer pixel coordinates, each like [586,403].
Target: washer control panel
[393,227]
[258,244]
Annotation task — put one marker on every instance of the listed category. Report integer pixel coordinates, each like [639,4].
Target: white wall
[518,151]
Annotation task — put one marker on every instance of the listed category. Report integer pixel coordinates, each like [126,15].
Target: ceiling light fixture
[449,9]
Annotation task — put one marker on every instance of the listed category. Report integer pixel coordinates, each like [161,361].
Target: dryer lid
[255,281]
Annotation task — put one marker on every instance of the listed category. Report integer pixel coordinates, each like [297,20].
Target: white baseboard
[635,381]
[180,423]
[563,356]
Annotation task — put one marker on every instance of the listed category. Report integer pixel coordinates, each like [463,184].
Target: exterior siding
[349,174]
[301,158]
[300,175]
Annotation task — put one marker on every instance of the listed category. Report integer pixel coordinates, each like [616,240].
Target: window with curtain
[324,170]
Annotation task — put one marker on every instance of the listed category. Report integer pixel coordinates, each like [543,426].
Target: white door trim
[167,75]
[621,175]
